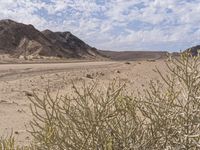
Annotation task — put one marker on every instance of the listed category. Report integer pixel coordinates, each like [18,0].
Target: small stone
[118,71]
[28,94]
[128,63]
[89,76]
[3,101]
[16,132]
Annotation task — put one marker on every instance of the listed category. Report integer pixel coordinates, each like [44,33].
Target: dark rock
[128,63]
[28,94]
[118,71]
[89,76]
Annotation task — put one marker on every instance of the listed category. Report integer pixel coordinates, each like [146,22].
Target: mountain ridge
[19,39]
[25,41]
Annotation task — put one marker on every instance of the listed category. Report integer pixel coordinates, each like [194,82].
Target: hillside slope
[19,39]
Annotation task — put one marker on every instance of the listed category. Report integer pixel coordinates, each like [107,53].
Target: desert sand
[18,79]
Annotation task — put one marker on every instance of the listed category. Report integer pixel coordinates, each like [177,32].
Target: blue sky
[171,25]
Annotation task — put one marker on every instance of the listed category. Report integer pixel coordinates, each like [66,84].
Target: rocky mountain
[19,39]
[193,50]
[70,44]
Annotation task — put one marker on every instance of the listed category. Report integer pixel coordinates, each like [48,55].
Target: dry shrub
[92,119]
[10,144]
[7,143]
[165,116]
[172,109]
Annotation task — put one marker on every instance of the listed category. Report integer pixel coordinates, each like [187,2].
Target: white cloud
[114,24]
[22,11]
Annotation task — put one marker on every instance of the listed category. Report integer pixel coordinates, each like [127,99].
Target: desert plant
[172,109]
[91,119]
[164,116]
[8,143]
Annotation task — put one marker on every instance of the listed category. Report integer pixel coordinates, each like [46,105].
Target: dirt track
[10,71]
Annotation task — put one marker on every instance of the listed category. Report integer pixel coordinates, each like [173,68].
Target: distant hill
[70,44]
[135,55]
[19,39]
[193,50]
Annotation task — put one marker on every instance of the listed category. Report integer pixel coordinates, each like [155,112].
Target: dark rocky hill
[193,50]
[70,44]
[19,39]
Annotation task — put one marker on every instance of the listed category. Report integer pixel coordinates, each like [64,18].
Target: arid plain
[17,81]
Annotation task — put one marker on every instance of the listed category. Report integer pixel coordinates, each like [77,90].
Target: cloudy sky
[114,24]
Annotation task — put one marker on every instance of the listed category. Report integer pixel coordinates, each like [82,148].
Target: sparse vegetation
[9,144]
[171,109]
[164,116]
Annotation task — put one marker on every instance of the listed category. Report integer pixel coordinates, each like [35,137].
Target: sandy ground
[16,79]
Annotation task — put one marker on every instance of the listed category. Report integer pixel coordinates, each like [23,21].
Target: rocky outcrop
[19,39]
